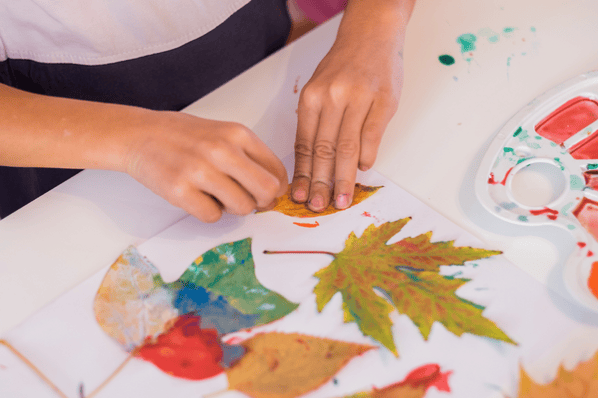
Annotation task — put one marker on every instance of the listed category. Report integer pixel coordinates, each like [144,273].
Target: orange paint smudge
[307,225]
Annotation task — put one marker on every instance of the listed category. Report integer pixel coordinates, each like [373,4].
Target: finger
[347,153]
[258,182]
[197,203]
[380,113]
[233,197]
[324,155]
[307,127]
[259,152]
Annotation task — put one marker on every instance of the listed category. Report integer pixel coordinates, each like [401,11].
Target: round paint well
[538,184]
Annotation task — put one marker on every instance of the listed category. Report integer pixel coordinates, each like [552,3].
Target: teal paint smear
[446,59]
[508,205]
[538,137]
[533,145]
[467,42]
[566,208]
[517,132]
[522,160]
[592,166]
[571,227]
[508,31]
[576,183]
[523,136]
[508,149]
[489,34]
[522,218]
[533,29]
[558,160]
[552,143]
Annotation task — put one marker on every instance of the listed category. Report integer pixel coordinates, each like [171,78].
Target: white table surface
[431,148]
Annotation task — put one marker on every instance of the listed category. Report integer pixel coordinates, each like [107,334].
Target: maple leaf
[406,274]
[415,384]
[280,365]
[581,382]
[286,206]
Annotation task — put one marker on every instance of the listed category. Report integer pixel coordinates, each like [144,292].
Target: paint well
[568,119]
[586,213]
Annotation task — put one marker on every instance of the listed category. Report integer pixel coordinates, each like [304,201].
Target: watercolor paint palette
[554,139]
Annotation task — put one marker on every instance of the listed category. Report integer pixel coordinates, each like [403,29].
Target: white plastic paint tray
[542,169]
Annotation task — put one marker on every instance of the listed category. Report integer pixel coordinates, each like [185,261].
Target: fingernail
[300,195]
[317,202]
[342,201]
[364,168]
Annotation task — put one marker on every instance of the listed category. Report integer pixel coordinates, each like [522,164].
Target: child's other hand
[205,166]
[346,105]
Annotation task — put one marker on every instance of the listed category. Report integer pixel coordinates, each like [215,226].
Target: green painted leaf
[228,270]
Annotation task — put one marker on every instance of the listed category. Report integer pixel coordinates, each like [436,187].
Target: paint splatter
[522,218]
[576,182]
[467,42]
[489,34]
[590,253]
[492,181]
[296,87]
[446,59]
[307,225]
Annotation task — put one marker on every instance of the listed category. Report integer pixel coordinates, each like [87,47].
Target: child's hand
[205,166]
[346,105]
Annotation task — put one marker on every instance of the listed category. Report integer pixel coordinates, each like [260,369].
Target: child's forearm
[42,131]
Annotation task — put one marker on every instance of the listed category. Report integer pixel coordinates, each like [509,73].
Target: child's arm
[202,166]
[347,104]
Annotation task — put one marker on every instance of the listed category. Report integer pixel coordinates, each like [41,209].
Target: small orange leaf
[415,384]
[280,365]
[582,382]
[286,206]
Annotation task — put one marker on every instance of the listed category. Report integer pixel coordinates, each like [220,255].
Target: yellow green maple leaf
[287,365]
[286,206]
[581,382]
[406,274]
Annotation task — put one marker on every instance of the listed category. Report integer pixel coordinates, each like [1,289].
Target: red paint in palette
[492,181]
[581,244]
[552,214]
[570,118]
[586,213]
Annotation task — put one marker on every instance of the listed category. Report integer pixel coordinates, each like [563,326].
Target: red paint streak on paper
[296,88]
[307,225]
[593,279]
[366,214]
[492,181]
[427,376]
[590,253]
[185,350]
[586,213]
[568,119]
[581,244]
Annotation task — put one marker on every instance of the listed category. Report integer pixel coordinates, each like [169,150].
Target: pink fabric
[321,10]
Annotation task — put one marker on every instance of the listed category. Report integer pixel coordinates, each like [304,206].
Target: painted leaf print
[133,303]
[407,274]
[281,365]
[286,206]
[581,382]
[415,384]
[229,271]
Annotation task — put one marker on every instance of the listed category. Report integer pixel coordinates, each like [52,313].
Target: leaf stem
[298,252]
[33,367]
[116,371]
